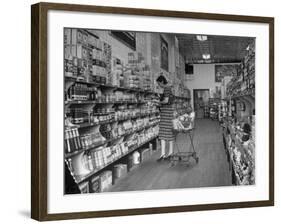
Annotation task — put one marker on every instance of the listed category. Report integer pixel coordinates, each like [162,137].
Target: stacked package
[86,56]
[84,187]
[119,171]
[95,185]
[72,140]
[105,180]
[145,154]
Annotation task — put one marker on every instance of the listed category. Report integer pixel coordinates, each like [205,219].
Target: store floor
[212,169]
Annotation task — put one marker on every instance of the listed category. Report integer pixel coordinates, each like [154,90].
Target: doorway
[200,101]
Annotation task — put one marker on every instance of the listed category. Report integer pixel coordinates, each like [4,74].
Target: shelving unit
[242,155]
[213,108]
[240,111]
[108,105]
[68,155]
[81,179]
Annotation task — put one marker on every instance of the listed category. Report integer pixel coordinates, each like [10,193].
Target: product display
[214,108]
[241,145]
[244,82]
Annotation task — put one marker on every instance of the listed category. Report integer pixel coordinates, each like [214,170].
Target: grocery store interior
[151,111]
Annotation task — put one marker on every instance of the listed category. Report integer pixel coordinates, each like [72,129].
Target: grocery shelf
[93,146]
[80,179]
[92,124]
[87,102]
[74,79]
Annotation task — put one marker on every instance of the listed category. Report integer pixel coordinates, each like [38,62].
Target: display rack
[238,120]
[111,108]
[241,154]
[86,104]
[213,108]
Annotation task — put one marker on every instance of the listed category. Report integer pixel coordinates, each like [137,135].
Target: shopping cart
[180,156]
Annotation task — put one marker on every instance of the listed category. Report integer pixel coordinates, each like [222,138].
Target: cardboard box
[82,52]
[105,180]
[84,187]
[95,185]
[145,154]
[119,171]
[67,36]
[78,37]
[92,40]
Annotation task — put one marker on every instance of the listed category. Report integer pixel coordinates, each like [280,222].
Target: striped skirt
[166,123]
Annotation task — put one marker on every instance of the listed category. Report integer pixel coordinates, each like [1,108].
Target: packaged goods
[92,41]
[105,180]
[78,37]
[119,171]
[130,163]
[67,36]
[84,187]
[145,154]
[95,185]
[136,158]
[72,140]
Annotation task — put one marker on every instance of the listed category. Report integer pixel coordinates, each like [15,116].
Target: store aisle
[212,170]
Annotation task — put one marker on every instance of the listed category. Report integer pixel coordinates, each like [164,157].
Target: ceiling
[222,49]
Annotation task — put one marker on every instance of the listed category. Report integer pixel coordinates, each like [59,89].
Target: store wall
[148,44]
[204,78]
[175,59]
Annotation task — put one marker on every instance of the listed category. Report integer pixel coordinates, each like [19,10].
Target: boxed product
[145,154]
[84,187]
[82,52]
[136,157]
[124,147]
[92,40]
[119,171]
[78,36]
[67,36]
[95,186]
[105,180]
[68,67]
[130,163]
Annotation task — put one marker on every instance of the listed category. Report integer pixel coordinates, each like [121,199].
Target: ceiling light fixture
[201,37]
[206,56]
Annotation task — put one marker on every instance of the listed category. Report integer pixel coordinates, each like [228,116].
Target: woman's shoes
[167,157]
[164,158]
[160,159]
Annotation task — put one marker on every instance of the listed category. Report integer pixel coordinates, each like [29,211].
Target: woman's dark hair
[162,79]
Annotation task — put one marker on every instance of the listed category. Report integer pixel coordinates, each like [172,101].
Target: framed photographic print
[103,143]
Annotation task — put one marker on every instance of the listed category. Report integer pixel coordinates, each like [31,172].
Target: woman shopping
[166,134]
